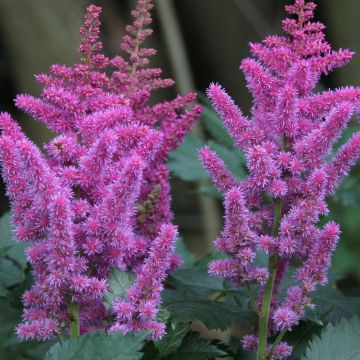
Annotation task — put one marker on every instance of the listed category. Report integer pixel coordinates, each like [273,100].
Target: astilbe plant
[287,143]
[98,197]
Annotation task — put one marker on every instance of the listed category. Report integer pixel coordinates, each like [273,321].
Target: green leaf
[175,334]
[16,251]
[118,284]
[187,256]
[346,259]
[197,281]
[4,250]
[348,193]
[184,161]
[336,342]
[11,347]
[163,315]
[195,348]
[215,315]
[300,336]
[331,305]
[10,274]
[214,126]
[99,346]
[313,316]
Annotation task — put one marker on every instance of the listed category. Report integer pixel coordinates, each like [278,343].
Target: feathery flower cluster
[287,143]
[98,198]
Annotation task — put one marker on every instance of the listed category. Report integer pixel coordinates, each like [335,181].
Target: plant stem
[73,309]
[264,314]
[272,267]
[275,344]
[252,298]
[220,295]
[277,217]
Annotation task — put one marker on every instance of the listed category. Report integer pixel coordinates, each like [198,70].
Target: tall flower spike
[143,298]
[223,179]
[290,133]
[99,196]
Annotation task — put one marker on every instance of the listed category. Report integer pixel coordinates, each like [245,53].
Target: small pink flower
[284,318]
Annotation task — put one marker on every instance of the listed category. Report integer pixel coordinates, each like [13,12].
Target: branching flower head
[287,142]
[98,198]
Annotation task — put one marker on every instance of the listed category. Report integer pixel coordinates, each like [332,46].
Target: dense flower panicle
[287,142]
[99,196]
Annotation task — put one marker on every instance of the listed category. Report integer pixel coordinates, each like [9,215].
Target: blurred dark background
[36,33]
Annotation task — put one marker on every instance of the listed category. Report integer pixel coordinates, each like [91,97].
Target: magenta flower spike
[287,142]
[138,310]
[98,197]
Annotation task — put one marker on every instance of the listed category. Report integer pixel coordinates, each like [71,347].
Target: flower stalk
[73,309]
[265,309]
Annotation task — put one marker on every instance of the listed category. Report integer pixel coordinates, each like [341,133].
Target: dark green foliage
[99,346]
[214,315]
[175,334]
[336,342]
[195,348]
[188,258]
[184,161]
[331,305]
[300,337]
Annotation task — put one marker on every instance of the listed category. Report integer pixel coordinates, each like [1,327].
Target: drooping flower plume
[287,143]
[98,197]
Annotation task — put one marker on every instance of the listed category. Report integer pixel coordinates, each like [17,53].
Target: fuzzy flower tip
[282,351]
[284,318]
[287,141]
[98,197]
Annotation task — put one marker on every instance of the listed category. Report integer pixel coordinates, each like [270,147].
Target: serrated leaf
[300,336]
[195,348]
[99,346]
[331,305]
[16,251]
[197,281]
[175,334]
[184,161]
[336,342]
[163,315]
[214,315]
[118,284]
